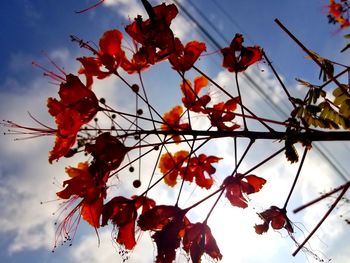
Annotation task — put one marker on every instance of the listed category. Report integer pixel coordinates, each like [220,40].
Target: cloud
[28,179]
[25,182]
[87,250]
[126,8]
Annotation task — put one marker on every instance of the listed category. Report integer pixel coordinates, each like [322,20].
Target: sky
[33,30]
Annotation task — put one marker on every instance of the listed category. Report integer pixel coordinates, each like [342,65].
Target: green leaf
[338,91]
[340,99]
[345,108]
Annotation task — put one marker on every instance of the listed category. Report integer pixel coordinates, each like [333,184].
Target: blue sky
[26,179]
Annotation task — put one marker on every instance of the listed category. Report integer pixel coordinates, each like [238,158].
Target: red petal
[198,240]
[61,147]
[108,151]
[91,212]
[110,42]
[278,221]
[155,218]
[256,182]
[55,107]
[199,83]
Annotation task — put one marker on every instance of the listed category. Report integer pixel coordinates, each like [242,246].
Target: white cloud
[126,8]
[28,179]
[87,250]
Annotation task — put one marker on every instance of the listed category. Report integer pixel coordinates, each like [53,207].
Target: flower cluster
[87,194]
[339,13]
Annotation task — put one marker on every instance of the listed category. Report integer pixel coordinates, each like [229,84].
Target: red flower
[110,56]
[91,188]
[336,11]
[78,105]
[138,63]
[172,122]
[223,113]
[198,240]
[238,185]
[278,219]
[190,98]
[238,58]
[108,152]
[154,34]
[184,57]
[157,217]
[123,213]
[199,168]
[169,223]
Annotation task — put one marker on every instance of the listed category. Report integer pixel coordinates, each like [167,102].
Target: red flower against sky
[78,105]
[172,122]
[138,62]
[108,152]
[337,12]
[169,223]
[157,217]
[154,34]
[222,114]
[198,240]
[239,185]
[110,56]
[123,214]
[91,189]
[183,58]
[278,219]
[196,168]
[190,98]
[238,58]
[201,169]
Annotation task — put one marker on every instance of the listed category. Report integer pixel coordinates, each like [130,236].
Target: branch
[275,135]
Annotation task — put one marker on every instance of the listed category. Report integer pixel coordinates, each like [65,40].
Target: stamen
[49,73]
[83,44]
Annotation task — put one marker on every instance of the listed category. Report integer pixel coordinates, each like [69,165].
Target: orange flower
[336,13]
[223,113]
[196,168]
[172,122]
[78,105]
[185,56]
[170,165]
[238,185]
[190,98]
[278,219]
[198,240]
[238,58]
